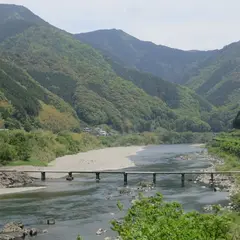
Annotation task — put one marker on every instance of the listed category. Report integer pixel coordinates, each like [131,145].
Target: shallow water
[83,206]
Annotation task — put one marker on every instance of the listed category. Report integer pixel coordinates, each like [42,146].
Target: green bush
[152,218]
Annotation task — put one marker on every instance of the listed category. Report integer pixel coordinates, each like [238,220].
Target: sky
[183,24]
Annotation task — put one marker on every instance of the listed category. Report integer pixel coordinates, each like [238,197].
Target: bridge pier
[183,179]
[212,180]
[69,177]
[154,178]
[43,176]
[97,176]
[125,179]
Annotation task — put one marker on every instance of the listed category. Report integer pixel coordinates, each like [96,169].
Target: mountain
[177,97]
[81,78]
[212,75]
[15,19]
[218,79]
[51,80]
[170,64]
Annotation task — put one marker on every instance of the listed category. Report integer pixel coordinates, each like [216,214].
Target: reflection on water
[83,206]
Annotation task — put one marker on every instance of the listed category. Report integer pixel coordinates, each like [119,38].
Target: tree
[152,218]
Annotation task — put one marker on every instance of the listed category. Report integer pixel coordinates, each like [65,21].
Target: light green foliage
[20,104]
[38,148]
[79,237]
[152,218]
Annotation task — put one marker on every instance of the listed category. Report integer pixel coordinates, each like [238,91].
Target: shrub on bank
[40,147]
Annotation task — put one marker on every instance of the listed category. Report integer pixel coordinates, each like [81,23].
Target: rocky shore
[14,179]
[17,231]
[221,182]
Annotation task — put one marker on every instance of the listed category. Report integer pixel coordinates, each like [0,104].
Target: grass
[30,162]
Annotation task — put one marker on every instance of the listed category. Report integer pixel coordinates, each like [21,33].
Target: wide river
[83,206]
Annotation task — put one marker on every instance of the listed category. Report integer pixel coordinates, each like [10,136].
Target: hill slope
[24,103]
[218,79]
[80,75]
[15,19]
[177,97]
[214,75]
[170,64]
[80,78]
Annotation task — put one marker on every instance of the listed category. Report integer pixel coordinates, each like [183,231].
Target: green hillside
[176,96]
[213,75]
[24,103]
[54,58]
[218,80]
[15,19]
[61,82]
[173,65]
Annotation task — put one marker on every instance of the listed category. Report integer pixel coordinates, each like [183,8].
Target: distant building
[101,132]
[86,129]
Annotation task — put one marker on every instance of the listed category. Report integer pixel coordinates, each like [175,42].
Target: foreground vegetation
[152,218]
[19,147]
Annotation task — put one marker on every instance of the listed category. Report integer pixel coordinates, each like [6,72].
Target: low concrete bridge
[126,173]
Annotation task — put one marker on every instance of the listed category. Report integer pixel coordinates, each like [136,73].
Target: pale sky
[184,24]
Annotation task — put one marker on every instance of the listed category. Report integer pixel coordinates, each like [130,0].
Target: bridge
[126,173]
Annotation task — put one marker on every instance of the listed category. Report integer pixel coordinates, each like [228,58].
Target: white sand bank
[94,160]
[4,191]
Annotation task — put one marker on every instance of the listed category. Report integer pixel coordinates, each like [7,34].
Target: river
[83,206]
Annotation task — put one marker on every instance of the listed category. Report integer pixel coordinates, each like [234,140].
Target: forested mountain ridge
[85,87]
[214,75]
[171,64]
[79,75]
[15,19]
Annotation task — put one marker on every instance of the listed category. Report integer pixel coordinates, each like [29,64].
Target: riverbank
[223,154]
[94,160]
[221,182]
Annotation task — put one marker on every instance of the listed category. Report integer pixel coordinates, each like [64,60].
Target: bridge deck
[125,173]
[120,172]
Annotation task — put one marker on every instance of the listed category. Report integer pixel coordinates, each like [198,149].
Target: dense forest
[214,75]
[50,80]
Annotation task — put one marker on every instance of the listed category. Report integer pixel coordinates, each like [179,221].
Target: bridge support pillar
[97,176]
[125,179]
[69,177]
[212,180]
[154,178]
[183,179]
[43,176]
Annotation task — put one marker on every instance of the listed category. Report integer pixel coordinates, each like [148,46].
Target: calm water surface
[83,206]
